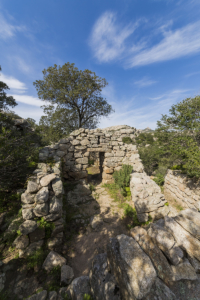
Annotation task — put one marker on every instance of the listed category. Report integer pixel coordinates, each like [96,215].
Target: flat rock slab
[47,179]
[184,239]
[160,291]
[27,227]
[148,204]
[131,266]
[160,262]
[52,260]
[190,225]
[184,271]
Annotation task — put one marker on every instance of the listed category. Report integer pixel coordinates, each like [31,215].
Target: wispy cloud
[28,100]
[8,30]
[108,38]
[144,82]
[141,116]
[192,74]
[175,44]
[12,82]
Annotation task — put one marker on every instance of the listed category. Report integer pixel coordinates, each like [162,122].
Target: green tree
[17,148]
[76,91]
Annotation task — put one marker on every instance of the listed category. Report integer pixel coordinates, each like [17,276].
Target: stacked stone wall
[183,189]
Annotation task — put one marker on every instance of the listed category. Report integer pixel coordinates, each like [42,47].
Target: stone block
[47,179]
[67,275]
[52,260]
[41,210]
[83,160]
[32,187]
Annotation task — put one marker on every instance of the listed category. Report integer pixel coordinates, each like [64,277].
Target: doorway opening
[95,169]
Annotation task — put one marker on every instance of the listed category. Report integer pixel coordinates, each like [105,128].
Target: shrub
[159,179]
[127,140]
[122,177]
[91,162]
[48,227]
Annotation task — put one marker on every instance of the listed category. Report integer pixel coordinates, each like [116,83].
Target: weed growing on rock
[47,225]
[87,297]
[92,187]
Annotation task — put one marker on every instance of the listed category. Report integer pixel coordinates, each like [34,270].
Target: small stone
[96,222]
[32,187]
[27,227]
[27,198]
[79,287]
[42,196]
[55,205]
[52,260]
[54,242]
[57,186]
[41,210]
[52,296]
[57,229]
[21,242]
[37,234]
[28,214]
[47,179]
[53,217]
[67,274]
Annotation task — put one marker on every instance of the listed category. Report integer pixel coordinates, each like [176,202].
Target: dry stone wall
[183,189]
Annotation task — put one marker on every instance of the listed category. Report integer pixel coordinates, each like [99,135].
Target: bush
[159,179]
[122,177]
[127,140]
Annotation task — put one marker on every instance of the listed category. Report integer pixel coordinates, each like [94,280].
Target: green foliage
[91,162]
[122,177]
[144,139]
[92,187]
[130,212]
[87,297]
[159,179]
[77,95]
[166,204]
[47,225]
[35,259]
[127,140]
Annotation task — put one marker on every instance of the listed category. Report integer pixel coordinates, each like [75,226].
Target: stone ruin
[151,263]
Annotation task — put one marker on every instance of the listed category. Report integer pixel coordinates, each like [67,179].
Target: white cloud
[144,82]
[175,44]
[28,100]
[12,82]
[7,30]
[130,112]
[107,39]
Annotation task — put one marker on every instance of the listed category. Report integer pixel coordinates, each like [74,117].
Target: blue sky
[148,51]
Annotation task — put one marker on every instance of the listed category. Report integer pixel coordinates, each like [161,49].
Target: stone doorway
[95,169]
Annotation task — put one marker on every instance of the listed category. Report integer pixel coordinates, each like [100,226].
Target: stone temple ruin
[150,263]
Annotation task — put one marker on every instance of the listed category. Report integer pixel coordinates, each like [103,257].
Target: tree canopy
[77,94]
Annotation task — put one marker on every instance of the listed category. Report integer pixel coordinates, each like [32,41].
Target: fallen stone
[132,268]
[47,179]
[184,271]
[32,187]
[52,260]
[67,275]
[42,196]
[79,287]
[159,213]
[149,204]
[21,242]
[57,187]
[184,239]
[143,217]
[27,227]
